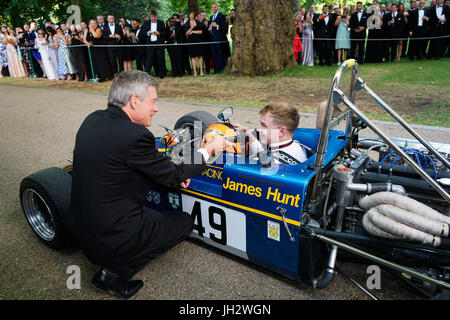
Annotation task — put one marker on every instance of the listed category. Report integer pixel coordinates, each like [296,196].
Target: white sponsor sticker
[224,226]
[273,230]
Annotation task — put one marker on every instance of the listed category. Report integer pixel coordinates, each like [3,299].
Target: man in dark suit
[176,52]
[154,32]
[358,24]
[113,34]
[439,25]
[395,22]
[139,52]
[101,22]
[115,162]
[418,29]
[206,38]
[384,45]
[323,30]
[218,29]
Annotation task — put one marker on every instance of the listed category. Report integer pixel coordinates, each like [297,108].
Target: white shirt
[286,152]
[421,13]
[327,18]
[153,28]
[439,14]
[112,27]
[359,16]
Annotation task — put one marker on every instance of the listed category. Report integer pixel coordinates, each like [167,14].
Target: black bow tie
[111,24]
[439,6]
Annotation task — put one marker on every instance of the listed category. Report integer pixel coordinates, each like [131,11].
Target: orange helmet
[228,132]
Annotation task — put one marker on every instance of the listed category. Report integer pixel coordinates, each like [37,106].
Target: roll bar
[335,97]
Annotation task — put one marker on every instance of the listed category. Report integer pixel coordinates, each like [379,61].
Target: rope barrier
[94,79]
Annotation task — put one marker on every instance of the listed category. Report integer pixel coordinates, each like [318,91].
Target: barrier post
[33,74]
[94,78]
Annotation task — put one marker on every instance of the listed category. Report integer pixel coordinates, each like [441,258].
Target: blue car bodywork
[235,204]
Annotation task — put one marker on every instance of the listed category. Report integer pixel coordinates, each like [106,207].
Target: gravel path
[38,131]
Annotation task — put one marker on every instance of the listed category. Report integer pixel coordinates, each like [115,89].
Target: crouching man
[115,161]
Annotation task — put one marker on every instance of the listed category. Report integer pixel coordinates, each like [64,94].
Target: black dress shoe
[114,283]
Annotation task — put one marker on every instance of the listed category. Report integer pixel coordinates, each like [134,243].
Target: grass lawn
[418,90]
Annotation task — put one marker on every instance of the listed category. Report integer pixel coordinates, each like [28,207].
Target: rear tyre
[197,122]
[45,200]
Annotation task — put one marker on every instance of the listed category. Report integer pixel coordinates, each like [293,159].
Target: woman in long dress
[307,41]
[194,34]
[15,66]
[41,43]
[342,44]
[65,59]
[53,51]
[3,59]
[93,37]
[297,45]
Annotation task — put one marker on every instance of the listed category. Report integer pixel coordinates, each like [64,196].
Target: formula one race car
[378,199]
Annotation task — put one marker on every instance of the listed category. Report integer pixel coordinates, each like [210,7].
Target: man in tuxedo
[439,27]
[154,33]
[101,22]
[218,29]
[358,24]
[175,37]
[384,10]
[113,35]
[115,161]
[323,30]
[418,23]
[139,52]
[395,22]
[206,38]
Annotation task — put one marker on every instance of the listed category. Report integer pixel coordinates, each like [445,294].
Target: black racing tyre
[45,200]
[189,121]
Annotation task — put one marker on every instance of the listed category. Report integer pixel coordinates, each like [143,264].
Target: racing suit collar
[281,145]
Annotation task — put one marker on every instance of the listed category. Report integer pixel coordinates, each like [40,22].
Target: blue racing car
[382,200]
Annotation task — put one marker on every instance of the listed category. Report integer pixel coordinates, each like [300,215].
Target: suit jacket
[107,32]
[160,27]
[115,161]
[354,24]
[321,29]
[435,25]
[221,33]
[394,30]
[413,20]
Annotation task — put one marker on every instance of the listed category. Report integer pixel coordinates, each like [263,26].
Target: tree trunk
[263,33]
[193,6]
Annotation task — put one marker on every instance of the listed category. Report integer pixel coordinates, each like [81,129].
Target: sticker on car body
[217,225]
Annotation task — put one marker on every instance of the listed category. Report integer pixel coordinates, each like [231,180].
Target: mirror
[225,114]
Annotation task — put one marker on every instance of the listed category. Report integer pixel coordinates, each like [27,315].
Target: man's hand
[216,145]
[185,184]
[245,130]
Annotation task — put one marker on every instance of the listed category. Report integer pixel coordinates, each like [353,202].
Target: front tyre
[45,200]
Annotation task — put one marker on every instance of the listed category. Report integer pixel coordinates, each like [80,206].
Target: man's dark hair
[136,19]
[50,30]
[359,2]
[153,13]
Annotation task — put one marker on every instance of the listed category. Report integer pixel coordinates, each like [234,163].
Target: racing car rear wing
[335,97]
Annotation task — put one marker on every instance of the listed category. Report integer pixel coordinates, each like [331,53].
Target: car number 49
[222,225]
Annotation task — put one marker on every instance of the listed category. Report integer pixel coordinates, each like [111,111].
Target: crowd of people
[102,47]
[381,33]
[196,44]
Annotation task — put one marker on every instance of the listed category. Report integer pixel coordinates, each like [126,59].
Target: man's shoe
[111,282]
